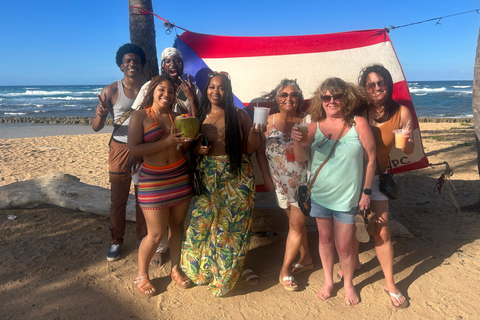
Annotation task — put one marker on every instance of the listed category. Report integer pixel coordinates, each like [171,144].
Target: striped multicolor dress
[162,187]
[220,229]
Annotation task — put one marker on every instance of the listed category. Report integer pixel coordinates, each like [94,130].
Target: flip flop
[250,277]
[397,297]
[361,234]
[301,268]
[292,287]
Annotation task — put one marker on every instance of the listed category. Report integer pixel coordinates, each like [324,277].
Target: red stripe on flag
[209,46]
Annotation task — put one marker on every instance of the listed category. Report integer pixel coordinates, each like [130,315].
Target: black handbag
[388,184]
[303,193]
[304,201]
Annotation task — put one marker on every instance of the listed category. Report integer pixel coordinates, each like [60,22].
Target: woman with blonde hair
[340,144]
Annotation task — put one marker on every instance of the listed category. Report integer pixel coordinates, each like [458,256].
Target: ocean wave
[428,90]
[420,94]
[462,87]
[36,93]
[70,98]
[15,113]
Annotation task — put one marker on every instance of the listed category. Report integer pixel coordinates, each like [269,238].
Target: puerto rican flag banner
[257,64]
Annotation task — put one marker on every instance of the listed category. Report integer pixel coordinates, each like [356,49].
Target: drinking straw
[407,125]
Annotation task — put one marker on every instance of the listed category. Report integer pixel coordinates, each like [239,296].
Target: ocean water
[442,99]
[49,101]
[432,99]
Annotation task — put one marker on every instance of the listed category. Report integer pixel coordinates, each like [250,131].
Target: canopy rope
[433,19]
[136,10]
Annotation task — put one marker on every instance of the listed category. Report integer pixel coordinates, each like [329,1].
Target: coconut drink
[188,125]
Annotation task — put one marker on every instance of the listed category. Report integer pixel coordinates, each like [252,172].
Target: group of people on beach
[350,135]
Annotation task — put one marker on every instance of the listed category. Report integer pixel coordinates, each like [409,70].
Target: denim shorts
[345,217]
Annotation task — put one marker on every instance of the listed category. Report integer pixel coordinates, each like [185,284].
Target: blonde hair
[353,99]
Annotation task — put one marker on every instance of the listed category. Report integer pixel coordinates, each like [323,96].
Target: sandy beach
[53,266]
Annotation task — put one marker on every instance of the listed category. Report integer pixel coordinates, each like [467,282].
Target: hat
[170,51]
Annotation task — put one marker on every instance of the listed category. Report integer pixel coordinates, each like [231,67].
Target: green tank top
[339,184]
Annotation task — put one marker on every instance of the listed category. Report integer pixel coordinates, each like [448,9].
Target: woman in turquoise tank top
[339,187]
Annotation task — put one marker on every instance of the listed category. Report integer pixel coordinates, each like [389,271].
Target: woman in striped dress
[164,189]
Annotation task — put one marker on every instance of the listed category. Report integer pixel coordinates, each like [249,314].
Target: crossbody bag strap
[310,184]
[119,123]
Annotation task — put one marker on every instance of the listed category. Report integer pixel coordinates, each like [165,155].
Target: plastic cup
[260,116]
[303,128]
[400,138]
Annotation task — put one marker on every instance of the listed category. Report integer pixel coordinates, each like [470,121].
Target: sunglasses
[335,97]
[323,141]
[215,73]
[284,95]
[176,61]
[372,85]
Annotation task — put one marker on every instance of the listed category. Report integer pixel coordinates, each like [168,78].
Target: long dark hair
[233,143]
[390,106]
[148,100]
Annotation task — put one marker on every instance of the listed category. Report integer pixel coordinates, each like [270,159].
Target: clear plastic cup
[303,128]
[400,138]
[260,116]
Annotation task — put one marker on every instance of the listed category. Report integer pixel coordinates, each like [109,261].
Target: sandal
[180,278]
[299,268]
[397,297]
[369,218]
[293,286]
[361,233]
[250,277]
[143,285]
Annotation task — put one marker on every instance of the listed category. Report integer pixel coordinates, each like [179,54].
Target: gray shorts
[376,194]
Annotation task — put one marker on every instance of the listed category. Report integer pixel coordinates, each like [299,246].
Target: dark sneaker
[114,252]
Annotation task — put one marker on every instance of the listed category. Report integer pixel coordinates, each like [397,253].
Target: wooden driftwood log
[67,191]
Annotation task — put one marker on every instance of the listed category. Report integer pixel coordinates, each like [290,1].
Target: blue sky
[74,42]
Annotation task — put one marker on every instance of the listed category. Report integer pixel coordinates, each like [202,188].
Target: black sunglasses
[322,142]
[215,73]
[284,95]
[372,85]
[336,98]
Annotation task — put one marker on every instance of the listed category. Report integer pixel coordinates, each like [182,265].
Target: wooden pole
[142,33]
[476,101]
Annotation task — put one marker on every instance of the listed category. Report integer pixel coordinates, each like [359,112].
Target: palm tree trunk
[476,101]
[142,33]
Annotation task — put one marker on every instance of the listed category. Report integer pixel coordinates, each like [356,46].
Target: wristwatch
[367,191]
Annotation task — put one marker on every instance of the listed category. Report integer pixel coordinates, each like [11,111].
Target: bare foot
[351,297]
[325,292]
[158,259]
